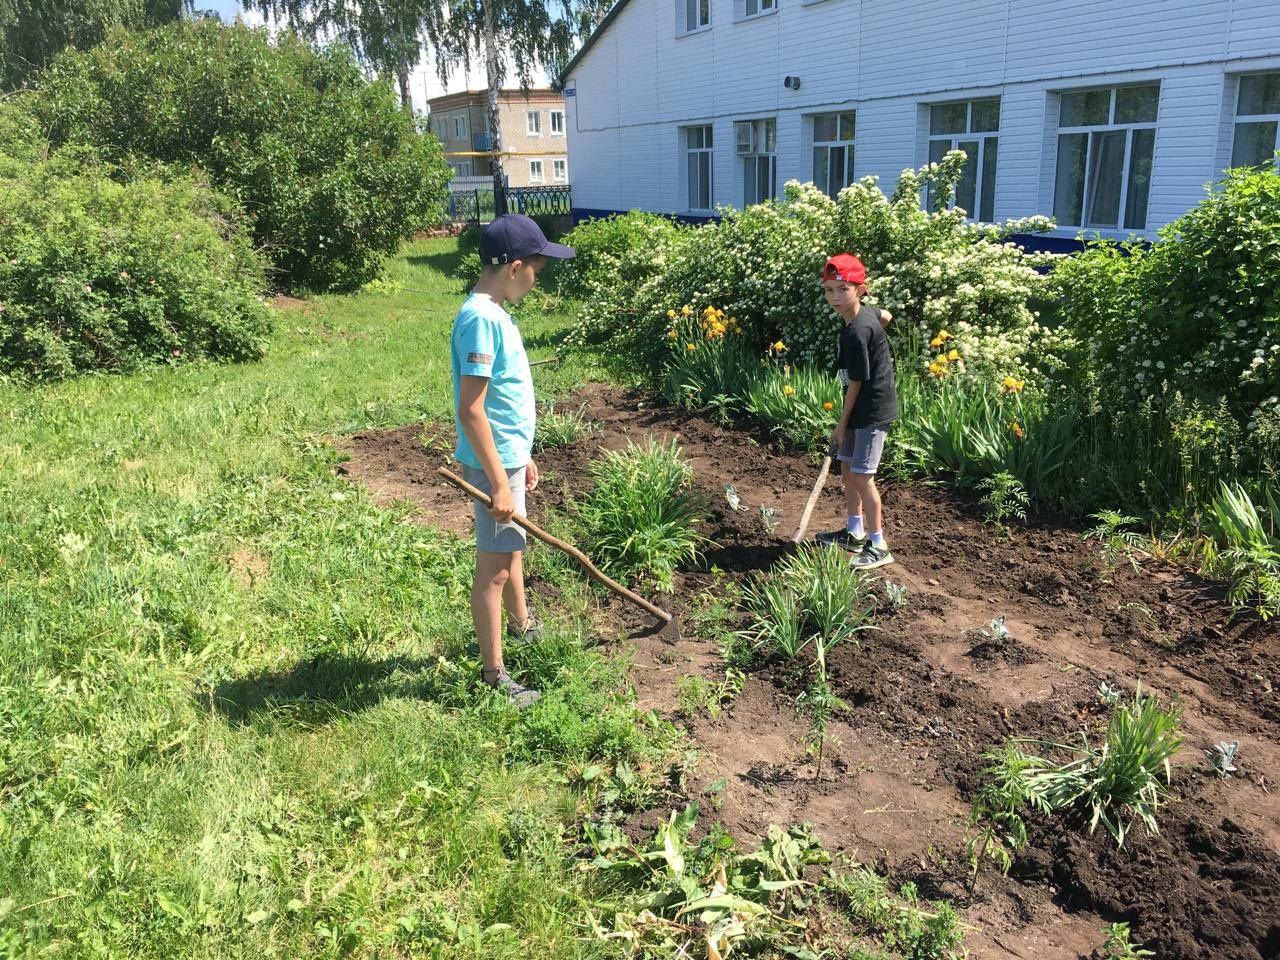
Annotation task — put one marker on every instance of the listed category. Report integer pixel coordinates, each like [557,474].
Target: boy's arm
[475,423]
[850,398]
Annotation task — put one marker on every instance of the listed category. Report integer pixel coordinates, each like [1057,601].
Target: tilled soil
[927,694]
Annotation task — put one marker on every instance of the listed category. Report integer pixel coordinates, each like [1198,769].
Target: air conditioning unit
[744,138]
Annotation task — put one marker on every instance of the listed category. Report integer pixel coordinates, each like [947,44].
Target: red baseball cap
[845,267]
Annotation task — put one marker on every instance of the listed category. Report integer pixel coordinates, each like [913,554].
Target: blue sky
[226,9]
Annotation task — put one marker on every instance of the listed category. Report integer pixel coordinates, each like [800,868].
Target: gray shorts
[862,448]
[492,536]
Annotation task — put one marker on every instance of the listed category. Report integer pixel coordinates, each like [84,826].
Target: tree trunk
[493,68]
[402,78]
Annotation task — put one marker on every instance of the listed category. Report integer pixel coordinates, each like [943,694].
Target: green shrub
[762,266]
[96,274]
[331,173]
[615,254]
[642,512]
[1196,310]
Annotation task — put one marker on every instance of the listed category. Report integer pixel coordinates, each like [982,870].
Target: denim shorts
[863,447]
[492,536]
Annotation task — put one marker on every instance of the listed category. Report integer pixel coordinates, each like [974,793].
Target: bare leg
[869,497]
[513,594]
[493,571]
[852,492]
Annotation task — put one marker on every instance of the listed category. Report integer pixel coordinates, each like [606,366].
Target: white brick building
[1111,114]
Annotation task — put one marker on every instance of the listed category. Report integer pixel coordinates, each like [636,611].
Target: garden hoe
[670,629]
[813,496]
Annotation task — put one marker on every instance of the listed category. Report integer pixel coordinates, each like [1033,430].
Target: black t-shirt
[864,355]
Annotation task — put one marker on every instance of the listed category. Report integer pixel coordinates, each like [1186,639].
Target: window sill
[759,16]
[557,135]
[680,34]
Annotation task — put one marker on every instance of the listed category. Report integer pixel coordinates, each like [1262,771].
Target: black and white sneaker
[872,556]
[843,539]
[521,697]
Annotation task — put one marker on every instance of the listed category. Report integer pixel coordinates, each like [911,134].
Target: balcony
[480,142]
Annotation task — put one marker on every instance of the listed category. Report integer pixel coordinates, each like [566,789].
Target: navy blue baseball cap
[516,237]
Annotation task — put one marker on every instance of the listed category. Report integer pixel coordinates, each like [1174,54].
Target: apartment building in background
[534,145]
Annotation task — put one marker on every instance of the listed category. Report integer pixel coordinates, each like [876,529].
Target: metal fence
[476,205]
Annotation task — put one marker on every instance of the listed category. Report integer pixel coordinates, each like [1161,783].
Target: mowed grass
[238,705]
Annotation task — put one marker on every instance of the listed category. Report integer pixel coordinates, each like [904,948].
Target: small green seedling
[731,497]
[896,594]
[1109,696]
[996,631]
[1222,758]
[1118,945]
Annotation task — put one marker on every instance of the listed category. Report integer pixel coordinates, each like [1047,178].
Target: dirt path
[926,697]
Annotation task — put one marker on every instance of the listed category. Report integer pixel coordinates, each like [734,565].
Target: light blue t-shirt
[486,343]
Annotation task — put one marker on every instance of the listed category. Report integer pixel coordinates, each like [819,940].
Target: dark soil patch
[927,695]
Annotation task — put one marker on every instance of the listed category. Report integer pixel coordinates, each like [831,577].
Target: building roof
[596,34]
[449,100]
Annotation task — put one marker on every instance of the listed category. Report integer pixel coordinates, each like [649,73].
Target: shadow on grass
[326,686]
[446,263]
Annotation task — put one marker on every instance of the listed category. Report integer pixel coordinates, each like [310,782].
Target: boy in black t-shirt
[870,405]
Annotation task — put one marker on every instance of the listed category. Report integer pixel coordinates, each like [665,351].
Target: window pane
[848,166]
[770,136]
[1135,204]
[948,118]
[1255,144]
[1068,186]
[837,170]
[706,137]
[692,174]
[706,180]
[824,128]
[987,205]
[986,115]
[704,12]
[847,122]
[1106,170]
[1137,104]
[1259,94]
[967,188]
[1085,109]
[691,14]
[753,7]
[820,161]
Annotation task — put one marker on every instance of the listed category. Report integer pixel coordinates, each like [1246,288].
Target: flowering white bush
[763,264]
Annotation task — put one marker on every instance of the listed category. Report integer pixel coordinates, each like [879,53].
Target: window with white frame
[833,151]
[697,147]
[533,123]
[535,171]
[756,144]
[1257,133]
[746,9]
[462,168]
[693,14]
[560,171]
[1106,143]
[557,123]
[971,126]
[460,127]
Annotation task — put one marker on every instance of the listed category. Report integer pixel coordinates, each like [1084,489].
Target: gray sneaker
[841,538]
[520,696]
[531,633]
[872,556]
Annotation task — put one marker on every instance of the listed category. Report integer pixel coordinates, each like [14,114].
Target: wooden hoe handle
[559,544]
[813,499]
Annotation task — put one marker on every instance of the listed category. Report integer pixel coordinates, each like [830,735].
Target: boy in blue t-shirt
[495,415]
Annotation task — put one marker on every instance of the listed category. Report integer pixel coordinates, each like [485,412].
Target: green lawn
[238,714]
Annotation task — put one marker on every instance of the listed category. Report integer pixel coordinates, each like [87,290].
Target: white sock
[877,539]
[854,524]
